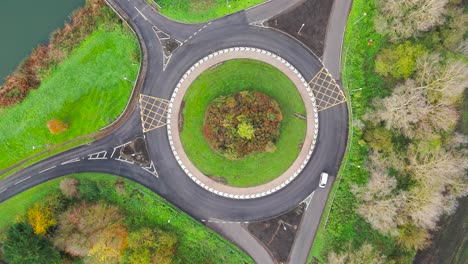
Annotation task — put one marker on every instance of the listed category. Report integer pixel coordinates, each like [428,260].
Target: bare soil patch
[278,233]
[314,15]
[137,152]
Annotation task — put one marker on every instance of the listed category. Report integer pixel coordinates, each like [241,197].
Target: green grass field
[228,78]
[190,11]
[86,90]
[143,208]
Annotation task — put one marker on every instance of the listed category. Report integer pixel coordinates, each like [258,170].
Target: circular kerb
[311,118]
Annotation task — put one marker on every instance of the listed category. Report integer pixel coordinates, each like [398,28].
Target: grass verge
[143,208]
[230,77]
[200,11]
[86,90]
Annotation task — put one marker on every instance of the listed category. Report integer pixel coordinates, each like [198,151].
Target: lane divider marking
[20,181]
[70,161]
[3,190]
[141,13]
[47,169]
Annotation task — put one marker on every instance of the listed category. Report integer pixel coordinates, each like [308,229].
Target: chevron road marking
[151,169]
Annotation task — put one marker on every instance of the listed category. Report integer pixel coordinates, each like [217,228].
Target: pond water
[26,23]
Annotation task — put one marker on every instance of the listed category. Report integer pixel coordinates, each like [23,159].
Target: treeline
[76,225]
[416,161]
[45,58]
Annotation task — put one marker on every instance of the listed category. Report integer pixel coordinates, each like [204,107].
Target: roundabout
[174,123]
[163,80]
[174,55]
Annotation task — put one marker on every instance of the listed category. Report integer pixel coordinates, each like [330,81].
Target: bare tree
[441,81]
[69,187]
[403,109]
[379,206]
[402,19]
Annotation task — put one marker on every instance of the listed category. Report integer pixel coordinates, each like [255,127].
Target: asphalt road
[166,177]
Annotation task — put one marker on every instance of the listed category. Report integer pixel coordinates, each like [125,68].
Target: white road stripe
[141,13]
[47,169]
[70,161]
[20,181]
[3,190]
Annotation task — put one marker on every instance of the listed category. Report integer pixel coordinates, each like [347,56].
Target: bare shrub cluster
[423,155]
[243,123]
[401,19]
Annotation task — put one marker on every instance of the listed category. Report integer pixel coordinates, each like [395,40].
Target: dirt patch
[136,151]
[169,46]
[201,6]
[278,233]
[314,15]
[218,179]
[181,117]
[450,242]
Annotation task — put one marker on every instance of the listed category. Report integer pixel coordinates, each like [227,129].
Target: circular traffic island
[240,123]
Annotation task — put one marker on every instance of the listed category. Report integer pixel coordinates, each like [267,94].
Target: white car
[323,179]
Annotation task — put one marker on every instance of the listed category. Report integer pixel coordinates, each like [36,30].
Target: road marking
[124,160]
[196,32]
[70,161]
[141,13]
[115,148]
[98,155]
[47,169]
[3,190]
[308,199]
[20,181]
[152,169]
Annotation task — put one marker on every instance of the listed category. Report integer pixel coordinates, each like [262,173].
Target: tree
[40,218]
[413,237]
[453,33]
[378,138]
[442,81]
[423,106]
[399,61]
[22,246]
[95,230]
[150,246]
[69,187]
[380,207]
[366,254]
[401,19]
[403,109]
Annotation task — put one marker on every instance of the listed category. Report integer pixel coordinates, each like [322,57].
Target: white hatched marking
[98,155]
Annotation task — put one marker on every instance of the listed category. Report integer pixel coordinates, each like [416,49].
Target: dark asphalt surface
[172,183]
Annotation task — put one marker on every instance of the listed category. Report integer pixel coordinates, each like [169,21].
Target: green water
[26,23]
